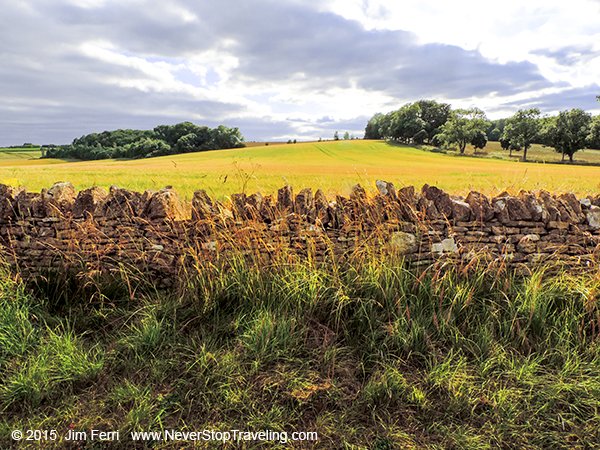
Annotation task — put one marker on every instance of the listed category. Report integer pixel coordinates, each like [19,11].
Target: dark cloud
[569,55]
[582,97]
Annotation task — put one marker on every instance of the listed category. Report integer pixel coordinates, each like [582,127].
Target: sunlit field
[333,166]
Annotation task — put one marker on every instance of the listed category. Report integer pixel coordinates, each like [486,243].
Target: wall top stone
[405,204]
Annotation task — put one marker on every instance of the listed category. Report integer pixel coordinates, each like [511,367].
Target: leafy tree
[506,144]
[405,123]
[494,135]
[434,115]
[420,137]
[346,136]
[462,126]
[594,134]
[147,147]
[571,132]
[373,128]
[164,139]
[224,137]
[336,136]
[523,128]
[479,140]
[495,129]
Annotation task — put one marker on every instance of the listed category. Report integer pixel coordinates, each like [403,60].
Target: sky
[284,69]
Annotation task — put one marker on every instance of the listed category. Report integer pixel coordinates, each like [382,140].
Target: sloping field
[332,166]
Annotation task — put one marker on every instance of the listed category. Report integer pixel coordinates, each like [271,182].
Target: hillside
[333,166]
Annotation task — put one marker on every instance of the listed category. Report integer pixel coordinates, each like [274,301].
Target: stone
[446,246]
[593,217]
[321,207]
[304,202]
[528,243]
[481,207]
[532,204]
[461,211]
[29,204]
[163,204]
[8,195]
[442,201]
[517,209]
[285,198]
[122,203]
[202,206]
[550,206]
[358,194]
[569,208]
[238,203]
[267,209]
[59,198]
[387,189]
[403,243]
[87,201]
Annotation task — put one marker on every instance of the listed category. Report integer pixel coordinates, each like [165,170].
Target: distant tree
[405,123]
[434,115]
[294,141]
[346,136]
[420,137]
[147,147]
[289,141]
[494,135]
[336,136]
[479,140]
[594,134]
[462,126]
[373,128]
[506,144]
[523,128]
[571,132]
[495,129]
[224,137]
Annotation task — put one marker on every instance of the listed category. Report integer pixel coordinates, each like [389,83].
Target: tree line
[434,123]
[163,140]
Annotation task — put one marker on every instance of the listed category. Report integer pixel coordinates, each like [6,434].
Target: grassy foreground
[367,355]
[332,166]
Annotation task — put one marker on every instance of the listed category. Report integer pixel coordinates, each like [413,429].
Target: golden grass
[331,166]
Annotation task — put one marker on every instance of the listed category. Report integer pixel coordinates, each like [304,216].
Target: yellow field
[331,166]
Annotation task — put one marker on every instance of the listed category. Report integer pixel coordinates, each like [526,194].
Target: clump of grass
[59,362]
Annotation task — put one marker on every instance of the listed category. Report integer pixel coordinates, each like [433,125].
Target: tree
[523,128]
[346,136]
[336,136]
[506,144]
[594,134]
[479,140]
[462,126]
[571,132]
[434,115]
[373,128]
[405,123]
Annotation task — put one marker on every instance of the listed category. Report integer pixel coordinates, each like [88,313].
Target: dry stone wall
[94,231]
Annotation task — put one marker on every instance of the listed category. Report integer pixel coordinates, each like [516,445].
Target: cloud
[272,68]
[568,98]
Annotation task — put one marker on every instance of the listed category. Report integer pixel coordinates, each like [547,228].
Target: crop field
[16,154]
[331,166]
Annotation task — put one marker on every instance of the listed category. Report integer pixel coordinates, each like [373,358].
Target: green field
[19,154]
[331,166]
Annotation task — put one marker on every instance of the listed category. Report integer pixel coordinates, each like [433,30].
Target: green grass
[368,354]
[19,154]
[332,166]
